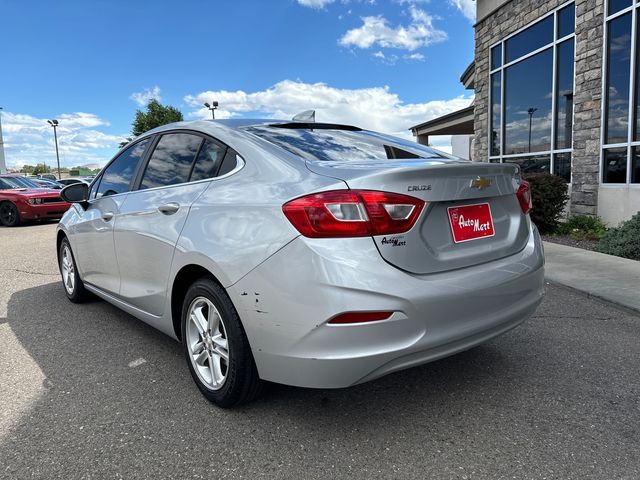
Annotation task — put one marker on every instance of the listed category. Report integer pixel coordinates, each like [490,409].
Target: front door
[92,234]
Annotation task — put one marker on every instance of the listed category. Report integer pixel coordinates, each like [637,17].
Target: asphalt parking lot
[87,391]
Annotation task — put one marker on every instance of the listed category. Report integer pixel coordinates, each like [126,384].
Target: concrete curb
[605,277]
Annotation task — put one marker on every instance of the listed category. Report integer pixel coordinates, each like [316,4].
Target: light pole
[531,111]
[54,124]
[212,107]
[3,166]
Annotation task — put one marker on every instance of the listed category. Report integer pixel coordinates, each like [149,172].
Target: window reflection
[171,160]
[617,89]
[208,161]
[533,38]
[528,92]
[496,106]
[562,165]
[617,5]
[615,165]
[566,20]
[335,145]
[496,57]
[564,94]
[635,165]
[532,164]
[117,176]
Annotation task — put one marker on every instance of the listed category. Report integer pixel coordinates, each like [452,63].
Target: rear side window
[229,163]
[117,177]
[333,144]
[208,161]
[171,161]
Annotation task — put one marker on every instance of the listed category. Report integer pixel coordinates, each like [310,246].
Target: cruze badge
[418,188]
[480,183]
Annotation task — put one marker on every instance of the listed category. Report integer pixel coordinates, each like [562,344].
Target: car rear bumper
[42,211]
[285,304]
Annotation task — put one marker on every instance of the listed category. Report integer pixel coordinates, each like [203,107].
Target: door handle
[106,216]
[169,208]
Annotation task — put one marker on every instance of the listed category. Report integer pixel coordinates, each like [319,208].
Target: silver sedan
[309,254]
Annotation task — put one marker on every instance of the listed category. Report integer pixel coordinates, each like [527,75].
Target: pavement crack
[32,273]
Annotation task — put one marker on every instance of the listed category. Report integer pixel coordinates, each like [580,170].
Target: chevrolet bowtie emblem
[480,183]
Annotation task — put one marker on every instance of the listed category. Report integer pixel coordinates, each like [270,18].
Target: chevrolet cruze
[308,254]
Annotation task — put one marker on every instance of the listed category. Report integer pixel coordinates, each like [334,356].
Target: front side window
[171,160]
[117,177]
[531,99]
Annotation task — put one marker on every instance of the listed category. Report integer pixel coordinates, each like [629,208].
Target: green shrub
[623,241]
[582,227]
[549,193]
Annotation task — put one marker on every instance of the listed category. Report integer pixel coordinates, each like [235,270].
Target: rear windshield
[332,145]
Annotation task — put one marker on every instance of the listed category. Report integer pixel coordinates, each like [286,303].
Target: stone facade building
[556,90]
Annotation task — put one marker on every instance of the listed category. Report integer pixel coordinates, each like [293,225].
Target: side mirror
[76,193]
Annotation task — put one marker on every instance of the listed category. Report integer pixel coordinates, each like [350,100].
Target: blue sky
[383,64]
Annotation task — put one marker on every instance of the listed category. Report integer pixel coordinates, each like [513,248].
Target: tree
[155,116]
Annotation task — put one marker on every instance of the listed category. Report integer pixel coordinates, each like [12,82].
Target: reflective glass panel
[562,166]
[564,94]
[533,38]
[171,160]
[495,113]
[617,5]
[208,161]
[117,176]
[528,95]
[496,57]
[618,67]
[635,165]
[532,164]
[566,20]
[614,169]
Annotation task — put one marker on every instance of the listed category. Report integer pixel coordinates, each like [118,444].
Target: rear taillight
[353,213]
[524,196]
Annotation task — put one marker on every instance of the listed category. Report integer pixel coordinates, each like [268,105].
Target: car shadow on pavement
[111,382]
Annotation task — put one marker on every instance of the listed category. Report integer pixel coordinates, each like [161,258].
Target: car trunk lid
[451,188]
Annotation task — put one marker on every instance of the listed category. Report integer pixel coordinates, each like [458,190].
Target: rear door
[92,233]
[154,214]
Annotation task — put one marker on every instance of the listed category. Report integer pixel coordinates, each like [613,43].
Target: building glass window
[617,5]
[621,108]
[566,20]
[531,99]
[496,92]
[496,57]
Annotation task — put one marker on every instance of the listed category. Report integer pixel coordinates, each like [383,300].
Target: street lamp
[3,166]
[212,107]
[54,124]
[531,111]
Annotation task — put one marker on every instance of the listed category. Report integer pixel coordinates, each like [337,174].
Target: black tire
[241,383]
[9,215]
[77,293]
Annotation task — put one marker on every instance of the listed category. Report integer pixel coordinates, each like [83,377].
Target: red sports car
[21,200]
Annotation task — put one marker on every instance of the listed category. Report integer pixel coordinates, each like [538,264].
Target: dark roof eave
[445,118]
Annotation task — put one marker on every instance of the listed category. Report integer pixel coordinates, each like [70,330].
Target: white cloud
[467,7]
[376,31]
[375,108]
[143,98]
[29,140]
[318,4]
[418,57]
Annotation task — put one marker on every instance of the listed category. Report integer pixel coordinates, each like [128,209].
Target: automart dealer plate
[470,222]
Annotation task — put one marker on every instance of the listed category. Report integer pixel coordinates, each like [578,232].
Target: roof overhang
[455,123]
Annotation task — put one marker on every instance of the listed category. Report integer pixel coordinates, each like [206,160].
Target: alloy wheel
[68,270]
[207,343]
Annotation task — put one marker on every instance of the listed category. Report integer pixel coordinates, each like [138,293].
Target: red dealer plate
[470,222]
